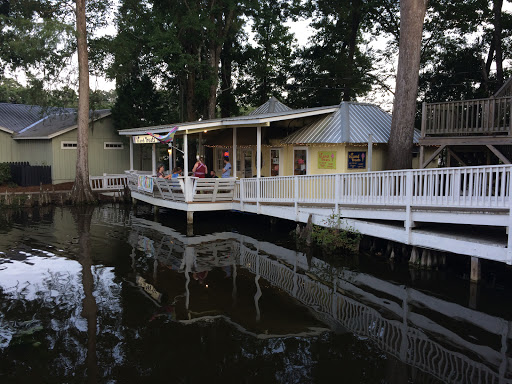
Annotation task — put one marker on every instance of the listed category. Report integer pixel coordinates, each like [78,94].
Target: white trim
[116,145]
[301,148]
[6,130]
[72,144]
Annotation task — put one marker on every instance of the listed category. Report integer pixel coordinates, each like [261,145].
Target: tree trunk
[348,92]
[82,193]
[214,57]
[412,14]
[226,80]
[497,42]
[190,95]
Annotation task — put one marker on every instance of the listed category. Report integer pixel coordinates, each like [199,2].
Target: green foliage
[332,237]
[5,173]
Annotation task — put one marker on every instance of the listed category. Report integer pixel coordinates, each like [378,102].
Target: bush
[5,173]
[332,237]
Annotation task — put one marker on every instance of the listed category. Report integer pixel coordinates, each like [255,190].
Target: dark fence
[24,174]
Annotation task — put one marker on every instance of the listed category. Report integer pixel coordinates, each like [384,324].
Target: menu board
[327,160]
[356,160]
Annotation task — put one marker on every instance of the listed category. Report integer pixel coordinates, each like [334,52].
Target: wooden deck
[394,205]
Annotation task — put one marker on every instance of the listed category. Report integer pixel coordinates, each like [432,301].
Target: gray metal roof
[55,124]
[351,123]
[15,117]
[272,105]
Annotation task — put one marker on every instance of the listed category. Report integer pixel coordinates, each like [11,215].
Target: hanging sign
[327,160]
[145,139]
[145,183]
[357,160]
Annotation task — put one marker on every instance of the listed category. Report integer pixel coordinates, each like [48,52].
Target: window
[68,145]
[110,145]
[300,161]
[221,154]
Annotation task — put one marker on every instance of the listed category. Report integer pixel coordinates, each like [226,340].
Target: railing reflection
[391,324]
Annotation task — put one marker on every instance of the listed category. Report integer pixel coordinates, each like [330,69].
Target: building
[48,136]
[349,137]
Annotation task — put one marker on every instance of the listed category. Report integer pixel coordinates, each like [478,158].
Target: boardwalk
[459,210]
[410,325]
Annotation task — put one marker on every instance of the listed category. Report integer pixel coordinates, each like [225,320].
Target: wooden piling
[476,272]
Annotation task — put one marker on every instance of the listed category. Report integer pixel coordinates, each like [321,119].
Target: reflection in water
[114,297]
[83,219]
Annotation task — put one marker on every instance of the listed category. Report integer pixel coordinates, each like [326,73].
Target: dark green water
[116,296]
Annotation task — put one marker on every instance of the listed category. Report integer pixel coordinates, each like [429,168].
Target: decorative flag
[164,139]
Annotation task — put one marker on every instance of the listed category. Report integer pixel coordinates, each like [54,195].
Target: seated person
[160,172]
[176,172]
[213,175]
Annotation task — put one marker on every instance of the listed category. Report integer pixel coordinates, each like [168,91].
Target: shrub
[332,237]
[5,173]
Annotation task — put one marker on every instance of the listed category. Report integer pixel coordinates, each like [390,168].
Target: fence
[25,175]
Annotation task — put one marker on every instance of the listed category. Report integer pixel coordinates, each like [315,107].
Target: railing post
[509,229]
[296,196]
[337,193]
[189,189]
[409,186]
[258,195]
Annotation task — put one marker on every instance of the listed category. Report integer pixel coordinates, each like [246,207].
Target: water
[109,295]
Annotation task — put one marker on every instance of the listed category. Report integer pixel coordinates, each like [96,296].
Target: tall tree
[412,15]
[266,64]
[81,192]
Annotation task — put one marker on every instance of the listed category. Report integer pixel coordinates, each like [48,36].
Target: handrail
[468,117]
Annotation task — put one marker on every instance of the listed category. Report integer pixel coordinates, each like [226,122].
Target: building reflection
[453,343]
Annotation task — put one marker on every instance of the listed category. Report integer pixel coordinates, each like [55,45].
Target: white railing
[478,187]
[108,182]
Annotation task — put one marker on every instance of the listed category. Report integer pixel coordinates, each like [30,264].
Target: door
[247,171]
[275,157]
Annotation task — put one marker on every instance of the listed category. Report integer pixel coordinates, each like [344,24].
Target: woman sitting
[160,172]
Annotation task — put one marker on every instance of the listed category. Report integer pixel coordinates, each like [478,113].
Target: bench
[212,190]
[170,189]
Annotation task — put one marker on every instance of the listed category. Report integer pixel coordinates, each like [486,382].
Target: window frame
[120,147]
[68,142]
[301,148]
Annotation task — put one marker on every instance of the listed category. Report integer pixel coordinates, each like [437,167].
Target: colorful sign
[145,183]
[357,160]
[327,160]
[145,139]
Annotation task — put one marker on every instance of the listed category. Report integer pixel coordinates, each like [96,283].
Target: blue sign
[357,160]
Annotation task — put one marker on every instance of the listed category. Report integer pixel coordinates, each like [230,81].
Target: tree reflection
[83,218]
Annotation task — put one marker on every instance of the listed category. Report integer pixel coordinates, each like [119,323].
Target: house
[48,136]
[349,137]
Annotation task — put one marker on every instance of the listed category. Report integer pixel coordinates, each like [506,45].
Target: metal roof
[15,117]
[272,105]
[228,122]
[351,123]
[56,124]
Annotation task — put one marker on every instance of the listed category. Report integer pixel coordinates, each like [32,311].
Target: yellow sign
[327,160]
[144,139]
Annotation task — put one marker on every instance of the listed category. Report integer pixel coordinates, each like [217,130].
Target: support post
[409,224]
[153,159]
[190,217]
[233,156]
[258,165]
[131,153]
[185,155]
[475,270]
[370,153]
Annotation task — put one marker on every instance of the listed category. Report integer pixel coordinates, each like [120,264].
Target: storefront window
[299,161]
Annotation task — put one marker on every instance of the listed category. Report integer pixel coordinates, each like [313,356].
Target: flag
[166,138]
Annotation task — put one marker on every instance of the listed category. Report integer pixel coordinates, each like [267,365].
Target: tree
[81,192]
[412,15]
[266,66]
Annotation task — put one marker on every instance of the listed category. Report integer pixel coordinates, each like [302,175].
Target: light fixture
[205,131]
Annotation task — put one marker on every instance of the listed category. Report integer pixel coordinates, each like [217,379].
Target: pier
[464,210]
